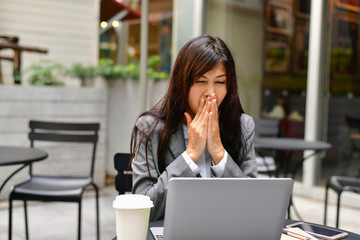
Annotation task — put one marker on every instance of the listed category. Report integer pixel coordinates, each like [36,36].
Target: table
[19,155]
[289,145]
[160,223]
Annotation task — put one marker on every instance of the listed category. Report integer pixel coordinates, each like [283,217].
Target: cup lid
[132,201]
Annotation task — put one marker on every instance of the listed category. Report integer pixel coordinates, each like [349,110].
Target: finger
[208,108]
[205,108]
[210,123]
[215,110]
[213,116]
[201,106]
[205,122]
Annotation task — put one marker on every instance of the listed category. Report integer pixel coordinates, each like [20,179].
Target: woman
[198,129]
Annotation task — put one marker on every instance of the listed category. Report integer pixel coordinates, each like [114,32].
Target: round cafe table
[289,146]
[160,223]
[24,156]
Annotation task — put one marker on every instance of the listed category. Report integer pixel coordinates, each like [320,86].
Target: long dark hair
[197,57]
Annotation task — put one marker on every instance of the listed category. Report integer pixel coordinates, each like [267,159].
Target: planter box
[123,110]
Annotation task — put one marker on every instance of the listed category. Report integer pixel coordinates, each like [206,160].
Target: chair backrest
[65,132]
[266,127]
[291,128]
[123,180]
[353,123]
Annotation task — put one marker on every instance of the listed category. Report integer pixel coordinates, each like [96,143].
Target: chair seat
[340,184]
[45,188]
[265,164]
[343,183]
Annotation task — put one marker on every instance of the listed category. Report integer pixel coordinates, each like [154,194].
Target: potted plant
[109,71]
[85,73]
[45,73]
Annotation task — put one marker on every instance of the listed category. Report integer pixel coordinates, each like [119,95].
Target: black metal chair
[123,180]
[340,184]
[266,127]
[353,125]
[58,188]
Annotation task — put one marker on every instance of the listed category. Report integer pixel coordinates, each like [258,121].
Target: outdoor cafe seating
[59,188]
[345,183]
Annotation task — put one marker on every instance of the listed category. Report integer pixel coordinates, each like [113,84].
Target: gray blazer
[176,165]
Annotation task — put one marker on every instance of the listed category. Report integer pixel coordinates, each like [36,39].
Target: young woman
[198,129]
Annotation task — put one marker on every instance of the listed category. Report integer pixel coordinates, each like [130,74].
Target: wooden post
[11,42]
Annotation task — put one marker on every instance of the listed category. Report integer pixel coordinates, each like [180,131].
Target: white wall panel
[67,28]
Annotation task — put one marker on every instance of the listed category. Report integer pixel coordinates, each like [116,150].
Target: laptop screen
[226,208]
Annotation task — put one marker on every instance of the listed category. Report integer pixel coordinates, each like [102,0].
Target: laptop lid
[226,208]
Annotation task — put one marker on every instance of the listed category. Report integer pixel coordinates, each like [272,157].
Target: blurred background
[80,61]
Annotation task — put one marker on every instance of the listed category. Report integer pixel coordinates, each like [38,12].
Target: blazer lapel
[177,142]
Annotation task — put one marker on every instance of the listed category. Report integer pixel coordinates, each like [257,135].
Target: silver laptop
[225,208]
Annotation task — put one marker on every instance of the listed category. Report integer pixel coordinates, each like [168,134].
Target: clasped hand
[204,131]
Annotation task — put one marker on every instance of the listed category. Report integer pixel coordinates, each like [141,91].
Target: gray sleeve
[147,179]
[248,168]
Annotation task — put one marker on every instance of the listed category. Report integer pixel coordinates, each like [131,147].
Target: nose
[210,90]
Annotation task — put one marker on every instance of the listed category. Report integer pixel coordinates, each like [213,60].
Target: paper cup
[132,216]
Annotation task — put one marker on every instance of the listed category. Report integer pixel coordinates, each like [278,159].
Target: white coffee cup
[132,216]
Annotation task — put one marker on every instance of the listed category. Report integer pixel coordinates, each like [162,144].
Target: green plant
[119,71]
[277,57]
[83,73]
[105,69]
[152,72]
[108,70]
[133,71]
[153,61]
[157,76]
[45,73]
[341,58]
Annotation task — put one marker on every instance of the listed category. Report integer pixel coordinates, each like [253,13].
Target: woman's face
[212,82]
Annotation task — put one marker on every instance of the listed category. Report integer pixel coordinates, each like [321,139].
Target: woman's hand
[197,130]
[214,144]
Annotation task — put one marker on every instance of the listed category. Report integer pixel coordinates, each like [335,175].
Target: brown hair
[197,57]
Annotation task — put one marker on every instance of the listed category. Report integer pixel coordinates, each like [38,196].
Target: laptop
[225,208]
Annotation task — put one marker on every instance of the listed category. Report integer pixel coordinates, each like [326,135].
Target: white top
[205,164]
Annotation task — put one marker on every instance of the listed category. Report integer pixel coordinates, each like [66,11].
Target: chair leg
[347,164]
[97,212]
[338,210]
[289,206]
[79,221]
[26,220]
[326,202]
[10,218]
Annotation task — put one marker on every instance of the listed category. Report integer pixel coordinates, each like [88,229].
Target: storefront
[271,42]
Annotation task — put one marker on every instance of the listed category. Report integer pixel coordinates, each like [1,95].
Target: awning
[110,8]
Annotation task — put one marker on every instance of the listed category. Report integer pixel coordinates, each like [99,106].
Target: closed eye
[200,81]
[220,82]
